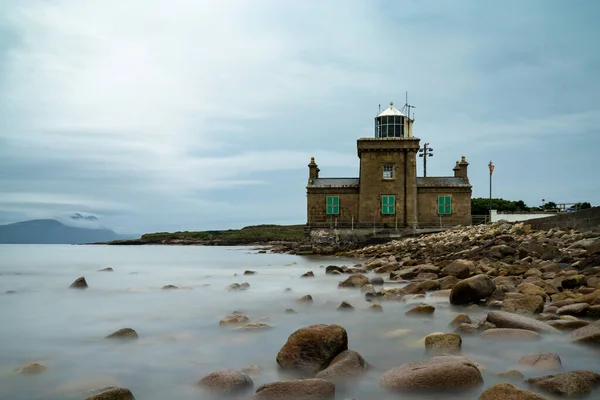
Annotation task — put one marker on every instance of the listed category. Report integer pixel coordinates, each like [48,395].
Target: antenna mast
[408,106]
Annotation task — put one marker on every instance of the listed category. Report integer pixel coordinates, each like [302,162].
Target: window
[388,171]
[444,205]
[388,205]
[333,205]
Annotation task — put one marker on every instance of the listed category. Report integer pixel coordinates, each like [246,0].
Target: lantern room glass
[389,126]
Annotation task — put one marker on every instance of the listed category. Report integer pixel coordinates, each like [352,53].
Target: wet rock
[235,319]
[368,289]
[167,287]
[346,365]
[107,269]
[421,309]
[433,375]
[541,361]
[290,311]
[124,334]
[252,370]
[311,349]
[299,389]
[466,329]
[570,384]
[472,290]
[10,292]
[305,299]
[441,293]
[308,274]
[506,391]
[587,334]
[113,394]
[426,276]
[573,309]
[460,269]
[375,308]
[504,319]
[376,280]
[512,374]
[524,305]
[33,368]
[568,325]
[510,334]
[249,272]
[79,283]
[226,382]
[448,282]
[593,311]
[254,326]
[239,286]
[443,341]
[573,281]
[532,290]
[345,306]
[354,281]
[460,319]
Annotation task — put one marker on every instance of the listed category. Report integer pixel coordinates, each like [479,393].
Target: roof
[334,182]
[391,111]
[441,181]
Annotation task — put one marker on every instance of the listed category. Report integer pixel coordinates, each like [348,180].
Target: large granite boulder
[472,290]
[526,304]
[504,319]
[226,382]
[506,391]
[299,389]
[354,281]
[311,349]
[587,334]
[435,374]
[569,384]
[113,394]
[346,365]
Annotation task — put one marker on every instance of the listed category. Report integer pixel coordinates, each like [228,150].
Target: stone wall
[516,217]
[317,211]
[428,206]
[584,220]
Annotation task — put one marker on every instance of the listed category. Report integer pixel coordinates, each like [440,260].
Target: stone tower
[388,172]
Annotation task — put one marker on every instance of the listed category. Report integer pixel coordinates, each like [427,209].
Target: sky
[190,115]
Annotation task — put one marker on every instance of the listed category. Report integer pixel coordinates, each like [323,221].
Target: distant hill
[50,231]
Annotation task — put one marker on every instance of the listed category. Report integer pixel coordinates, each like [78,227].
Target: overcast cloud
[189,115]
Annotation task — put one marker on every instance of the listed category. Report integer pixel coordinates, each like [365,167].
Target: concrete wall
[515,217]
[428,207]
[584,220]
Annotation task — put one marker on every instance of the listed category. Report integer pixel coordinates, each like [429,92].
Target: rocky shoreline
[529,285]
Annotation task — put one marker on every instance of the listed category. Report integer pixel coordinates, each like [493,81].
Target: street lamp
[491,167]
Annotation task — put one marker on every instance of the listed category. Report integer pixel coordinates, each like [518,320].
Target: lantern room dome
[391,111]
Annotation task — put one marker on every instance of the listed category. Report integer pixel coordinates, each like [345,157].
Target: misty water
[180,339]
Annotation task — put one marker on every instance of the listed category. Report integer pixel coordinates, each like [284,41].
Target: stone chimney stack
[463,168]
[313,170]
[456,170]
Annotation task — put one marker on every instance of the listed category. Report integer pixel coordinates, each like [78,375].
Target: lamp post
[491,167]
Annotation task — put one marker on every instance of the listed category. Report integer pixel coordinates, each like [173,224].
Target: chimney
[313,170]
[463,168]
[456,170]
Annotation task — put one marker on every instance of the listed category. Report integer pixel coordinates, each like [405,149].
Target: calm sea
[180,337]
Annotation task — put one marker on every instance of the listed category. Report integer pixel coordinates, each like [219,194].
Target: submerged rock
[113,394]
[346,365]
[510,334]
[421,309]
[345,306]
[541,361]
[33,368]
[124,334]
[587,334]
[443,341]
[472,290]
[235,319]
[226,382]
[354,281]
[506,391]
[107,269]
[79,283]
[311,349]
[570,384]
[299,389]
[503,319]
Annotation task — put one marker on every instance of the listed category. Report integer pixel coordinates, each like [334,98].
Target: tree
[550,205]
[481,206]
[582,206]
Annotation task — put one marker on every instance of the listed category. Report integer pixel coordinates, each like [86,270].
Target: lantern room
[392,123]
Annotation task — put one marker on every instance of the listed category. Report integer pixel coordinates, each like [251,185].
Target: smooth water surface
[180,337]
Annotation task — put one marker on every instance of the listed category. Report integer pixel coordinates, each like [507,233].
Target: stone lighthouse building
[388,193]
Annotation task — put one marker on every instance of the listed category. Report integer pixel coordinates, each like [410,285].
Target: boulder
[443,341]
[254,326]
[472,290]
[226,382]
[510,334]
[506,391]
[573,309]
[354,281]
[235,319]
[167,287]
[79,283]
[460,319]
[460,269]
[113,394]
[532,290]
[570,384]
[524,305]
[435,374]
[345,306]
[421,309]
[375,308]
[299,389]
[305,299]
[587,334]
[448,282]
[124,334]
[107,269]
[568,324]
[33,368]
[248,272]
[311,349]
[541,361]
[504,319]
[376,280]
[346,365]
[308,274]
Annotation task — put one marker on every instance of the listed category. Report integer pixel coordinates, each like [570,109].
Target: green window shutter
[388,204]
[444,205]
[333,205]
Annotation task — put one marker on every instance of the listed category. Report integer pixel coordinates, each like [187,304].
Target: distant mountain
[50,231]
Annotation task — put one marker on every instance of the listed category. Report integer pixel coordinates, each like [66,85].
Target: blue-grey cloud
[204,114]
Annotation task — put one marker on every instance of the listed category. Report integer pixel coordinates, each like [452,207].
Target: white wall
[494,216]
